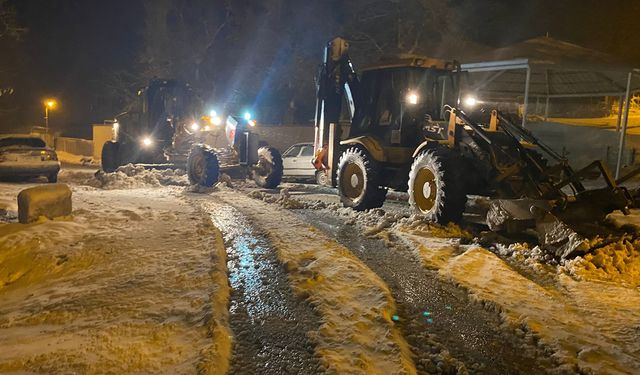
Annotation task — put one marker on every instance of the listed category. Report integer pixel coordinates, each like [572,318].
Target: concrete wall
[283,136]
[76,146]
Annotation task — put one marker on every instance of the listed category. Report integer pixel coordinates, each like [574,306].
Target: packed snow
[108,289]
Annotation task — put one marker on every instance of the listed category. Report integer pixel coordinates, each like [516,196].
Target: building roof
[557,69]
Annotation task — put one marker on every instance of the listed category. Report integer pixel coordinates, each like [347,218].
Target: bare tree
[8,24]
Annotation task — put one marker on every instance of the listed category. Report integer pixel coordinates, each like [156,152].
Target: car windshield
[307,151]
[26,142]
[293,151]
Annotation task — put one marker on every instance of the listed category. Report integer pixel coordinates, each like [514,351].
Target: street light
[48,104]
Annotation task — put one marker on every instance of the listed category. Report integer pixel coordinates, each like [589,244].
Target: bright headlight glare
[470,101]
[213,113]
[195,126]
[207,128]
[216,120]
[247,116]
[412,98]
[252,122]
[147,141]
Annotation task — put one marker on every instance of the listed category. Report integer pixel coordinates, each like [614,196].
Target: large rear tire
[202,166]
[111,156]
[437,185]
[359,181]
[268,172]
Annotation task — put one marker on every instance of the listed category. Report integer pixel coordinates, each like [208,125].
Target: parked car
[27,156]
[297,162]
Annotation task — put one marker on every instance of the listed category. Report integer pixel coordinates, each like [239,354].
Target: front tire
[437,185]
[202,166]
[321,178]
[111,156]
[268,172]
[359,180]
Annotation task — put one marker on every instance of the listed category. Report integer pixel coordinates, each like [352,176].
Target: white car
[27,156]
[297,162]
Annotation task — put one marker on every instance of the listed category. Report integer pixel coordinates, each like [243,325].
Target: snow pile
[34,252]
[285,200]
[617,262]
[132,176]
[8,209]
[373,220]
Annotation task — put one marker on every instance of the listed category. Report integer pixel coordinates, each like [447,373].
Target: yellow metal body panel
[396,155]
[370,144]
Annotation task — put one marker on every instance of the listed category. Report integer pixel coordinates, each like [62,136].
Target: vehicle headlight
[470,101]
[412,98]
[216,120]
[207,128]
[195,127]
[146,141]
[252,123]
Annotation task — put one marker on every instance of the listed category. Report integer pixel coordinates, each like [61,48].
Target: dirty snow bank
[618,262]
[129,176]
[285,200]
[357,334]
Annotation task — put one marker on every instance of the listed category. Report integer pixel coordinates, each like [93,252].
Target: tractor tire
[202,166]
[437,185]
[111,156]
[268,172]
[358,180]
[321,178]
[52,178]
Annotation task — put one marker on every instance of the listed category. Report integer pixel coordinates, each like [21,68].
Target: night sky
[72,47]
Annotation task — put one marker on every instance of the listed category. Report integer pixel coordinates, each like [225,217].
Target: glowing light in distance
[247,116]
[147,141]
[412,98]
[213,113]
[252,122]
[216,120]
[207,128]
[195,126]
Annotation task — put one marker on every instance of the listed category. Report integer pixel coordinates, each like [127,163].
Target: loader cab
[396,104]
[159,109]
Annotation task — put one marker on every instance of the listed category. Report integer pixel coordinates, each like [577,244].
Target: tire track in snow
[439,321]
[269,323]
[357,335]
